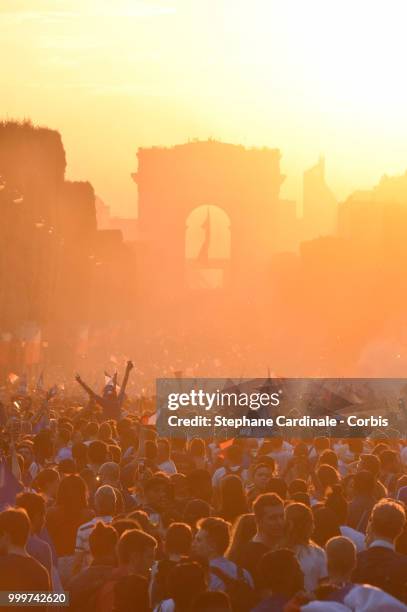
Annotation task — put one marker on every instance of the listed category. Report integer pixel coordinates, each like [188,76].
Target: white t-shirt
[312,559]
[82,537]
[357,537]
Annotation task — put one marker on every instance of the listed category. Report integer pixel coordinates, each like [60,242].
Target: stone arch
[172,182]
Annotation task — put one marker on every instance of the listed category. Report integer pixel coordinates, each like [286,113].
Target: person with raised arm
[111,401]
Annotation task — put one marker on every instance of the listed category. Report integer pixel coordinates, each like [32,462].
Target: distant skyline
[307,78]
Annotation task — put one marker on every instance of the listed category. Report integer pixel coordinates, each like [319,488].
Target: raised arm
[122,391]
[88,390]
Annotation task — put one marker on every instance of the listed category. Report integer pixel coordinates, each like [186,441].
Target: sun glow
[306,77]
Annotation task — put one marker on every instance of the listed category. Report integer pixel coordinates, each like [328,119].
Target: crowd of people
[95,504]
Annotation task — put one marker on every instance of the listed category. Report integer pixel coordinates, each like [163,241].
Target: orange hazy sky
[305,77]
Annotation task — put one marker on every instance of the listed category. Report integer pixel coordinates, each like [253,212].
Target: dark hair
[388,518]
[234,454]
[194,510]
[264,461]
[321,443]
[267,463]
[301,498]
[387,458]
[124,524]
[102,540]
[97,452]
[355,445]
[150,449]
[142,519]
[299,524]
[45,477]
[364,483]
[243,531]
[326,526]
[341,554]
[233,500]
[105,500]
[89,478]
[64,435]
[32,503]
[67,466]
[328,457]
[280,571]
[380,447]
[196,447]
[43,447]
[301,450]
[72,493]
[218,532]
[327,475]
[134,541]
[15,523]
[80,454]
[335,501]
[165,444]
[115,452]
[178,539]
[91,430]
[158,480]
[199,484]
[266,500]
[298,485]
[123,425]
[186,582]
[278,486]
[371,463]
[65,422]
[105,431]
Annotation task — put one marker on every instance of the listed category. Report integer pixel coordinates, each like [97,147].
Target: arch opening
[207,248]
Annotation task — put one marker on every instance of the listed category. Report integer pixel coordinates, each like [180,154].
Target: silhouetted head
[72,493]
[212,538]
[103,540]
[34,505]
[178,539]
[268,510]
[136,550]
[299,524]
[341,557]
[14,529]
[185,582]
[387,520]
[280,572]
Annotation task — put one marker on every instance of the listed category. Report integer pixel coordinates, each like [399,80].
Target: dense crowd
[96,504]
